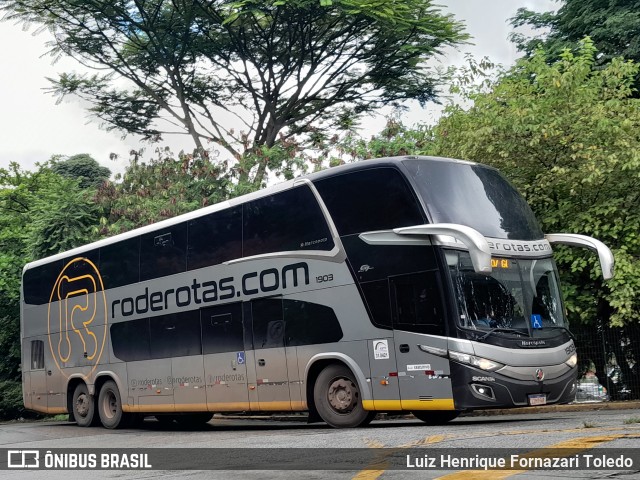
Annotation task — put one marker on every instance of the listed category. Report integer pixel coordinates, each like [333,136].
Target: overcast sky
[33,127]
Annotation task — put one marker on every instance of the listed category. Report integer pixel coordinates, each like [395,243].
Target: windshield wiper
[568,332]
[501,329]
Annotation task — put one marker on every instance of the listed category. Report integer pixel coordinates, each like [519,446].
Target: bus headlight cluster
[573,360]
[481,363]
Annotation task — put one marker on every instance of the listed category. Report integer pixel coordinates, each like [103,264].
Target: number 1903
[324,278]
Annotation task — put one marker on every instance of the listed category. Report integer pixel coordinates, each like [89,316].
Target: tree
[566,134]
[161,188]
[62,217]
[82,167]
[612,25]
[41,213]
[278,69]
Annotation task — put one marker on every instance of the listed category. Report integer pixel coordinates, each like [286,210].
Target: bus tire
[84,406]
[110,406]
[338,400]
[436,417]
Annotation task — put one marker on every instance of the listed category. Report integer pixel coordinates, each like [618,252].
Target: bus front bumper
[475,389]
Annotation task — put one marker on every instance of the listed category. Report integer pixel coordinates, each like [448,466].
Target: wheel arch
[103,377]
[319,362]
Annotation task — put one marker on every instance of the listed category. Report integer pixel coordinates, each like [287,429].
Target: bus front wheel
[83,406]
[436,417]
[338,400]
[110,406]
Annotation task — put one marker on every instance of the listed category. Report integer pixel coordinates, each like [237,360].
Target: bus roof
[330,172]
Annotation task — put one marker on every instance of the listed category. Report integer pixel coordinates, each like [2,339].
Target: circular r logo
[77,316]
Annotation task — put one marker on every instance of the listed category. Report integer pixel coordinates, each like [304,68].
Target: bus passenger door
[419,319]
[187,369]
[224,358]
[272,378]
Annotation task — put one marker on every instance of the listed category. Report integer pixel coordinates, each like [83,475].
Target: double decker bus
[407,284]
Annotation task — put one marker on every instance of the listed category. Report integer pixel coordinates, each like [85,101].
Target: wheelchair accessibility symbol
[240,358]
[536,321]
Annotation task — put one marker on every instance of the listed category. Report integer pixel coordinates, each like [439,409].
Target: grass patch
[588,424]
[632,420]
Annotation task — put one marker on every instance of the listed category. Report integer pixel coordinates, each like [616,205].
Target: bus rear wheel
[84,407]
[338,400]
[110,406]
[436,417]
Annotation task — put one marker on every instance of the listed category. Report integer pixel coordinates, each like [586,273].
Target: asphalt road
[577,432]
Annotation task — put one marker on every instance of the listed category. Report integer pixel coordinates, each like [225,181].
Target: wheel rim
[110,405]
[342,395]
[82,405]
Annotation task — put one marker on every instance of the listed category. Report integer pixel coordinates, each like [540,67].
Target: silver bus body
[280,301]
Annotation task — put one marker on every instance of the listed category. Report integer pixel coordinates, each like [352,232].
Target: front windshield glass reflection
[473,195]
[519,294]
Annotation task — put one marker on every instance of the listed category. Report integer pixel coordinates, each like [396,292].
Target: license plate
[538,399]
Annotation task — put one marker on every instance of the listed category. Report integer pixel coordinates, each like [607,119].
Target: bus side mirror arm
[605,256]
[472,239]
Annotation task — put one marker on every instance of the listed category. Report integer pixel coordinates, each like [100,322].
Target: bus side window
[120,263]
[222,329]
[38,282]
[130,340]
[215,238]
[175,335]
[37,354]
[418,303]
[268,323]
[163,252]
[376,199]
[310,324]
[376,294]
[286,221]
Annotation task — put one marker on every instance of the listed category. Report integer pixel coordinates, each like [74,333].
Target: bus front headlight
[573,360]
[479,362]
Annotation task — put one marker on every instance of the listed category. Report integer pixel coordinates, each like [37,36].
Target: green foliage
[612,25]
[566,134]
[41,213]
[394,139]
[278,69]
[63,217]
[82,167]
[11,406]
[161,188]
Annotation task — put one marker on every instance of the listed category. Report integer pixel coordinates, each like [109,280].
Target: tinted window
[268,323]
[82,267]
[310,323]
[376,295]
[377,262]
[163,252]
[175,335]
[38,283]
[285,221]
[79,276]
[222,329]
[418,303]
[376,199]
[130,340]
[215,238]
[476,196]
[120,263]
[37,354]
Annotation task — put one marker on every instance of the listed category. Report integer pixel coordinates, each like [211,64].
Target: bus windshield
[520,294]
[476,196]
